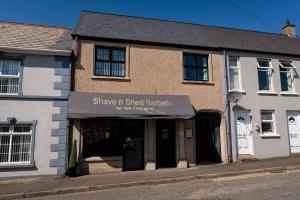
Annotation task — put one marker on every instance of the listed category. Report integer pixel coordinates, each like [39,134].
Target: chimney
[289,29]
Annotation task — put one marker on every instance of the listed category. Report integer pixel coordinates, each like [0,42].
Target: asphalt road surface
[257,186]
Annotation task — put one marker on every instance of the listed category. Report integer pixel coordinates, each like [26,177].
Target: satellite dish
[234,96]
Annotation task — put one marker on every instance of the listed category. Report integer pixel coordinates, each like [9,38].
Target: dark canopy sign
[137,106]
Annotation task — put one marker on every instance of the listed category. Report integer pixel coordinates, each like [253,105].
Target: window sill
[18,166]
[9,94]
[103,158]
[289,93]
[198,82]
[267,93]
[269,135]
[111,78]
[240,91]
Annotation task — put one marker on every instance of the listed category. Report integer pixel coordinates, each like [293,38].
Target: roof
[139,29]
[32,36]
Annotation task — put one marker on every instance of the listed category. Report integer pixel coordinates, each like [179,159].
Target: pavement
[28,188]
[262,186]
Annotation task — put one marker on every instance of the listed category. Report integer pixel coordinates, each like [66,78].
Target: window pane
[4,148]
[266,115]
[9,85]
[102,69]
[10,67]
[118,55]
[20,149]
[189,60]
[284,81]
[201,61]
[102,54]
[4,129]
[267,126]
[201,74]
[118,69]
[264,80]
[234,78]
[22,129]
[189,74]
[233,62]
[264,63]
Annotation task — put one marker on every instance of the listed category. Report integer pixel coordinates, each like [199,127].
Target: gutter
[35,51]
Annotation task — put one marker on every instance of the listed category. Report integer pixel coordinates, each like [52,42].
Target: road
[258,186]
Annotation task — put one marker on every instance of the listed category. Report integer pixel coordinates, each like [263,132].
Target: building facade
[34,89]
[143,106]
[265,112]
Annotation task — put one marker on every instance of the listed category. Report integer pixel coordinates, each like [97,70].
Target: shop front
[122,132]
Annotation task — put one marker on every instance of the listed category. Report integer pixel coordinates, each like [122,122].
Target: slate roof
[138,29]
[19,35]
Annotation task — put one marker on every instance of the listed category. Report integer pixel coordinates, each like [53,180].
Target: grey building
[263,88]
[34,87]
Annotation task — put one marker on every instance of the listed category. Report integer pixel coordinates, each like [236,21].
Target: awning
[136,106]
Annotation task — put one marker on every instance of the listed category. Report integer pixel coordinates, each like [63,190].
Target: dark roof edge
[173,21]
[178,45]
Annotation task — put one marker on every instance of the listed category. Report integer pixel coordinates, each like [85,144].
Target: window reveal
[267,122]
[286,76]
[15,144]
[109,62]
[195,67]
[9,76]
[265,72]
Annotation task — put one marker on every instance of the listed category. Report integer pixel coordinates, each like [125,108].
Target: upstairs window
[234,73]
[286,76]
[265,73]
[110,62]
[9,76]
[195,67]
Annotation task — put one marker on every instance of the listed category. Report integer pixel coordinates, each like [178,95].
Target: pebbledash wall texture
[148,74]
[40,102]
[156,70]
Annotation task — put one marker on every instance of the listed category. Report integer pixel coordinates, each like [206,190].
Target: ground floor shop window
[15,144]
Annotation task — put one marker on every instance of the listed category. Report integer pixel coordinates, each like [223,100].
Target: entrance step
[98,167]
[246,158]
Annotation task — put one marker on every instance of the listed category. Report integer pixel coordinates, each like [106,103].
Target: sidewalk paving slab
[62,185]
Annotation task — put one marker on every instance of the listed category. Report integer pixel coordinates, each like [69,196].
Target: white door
[294,133]
[243,132]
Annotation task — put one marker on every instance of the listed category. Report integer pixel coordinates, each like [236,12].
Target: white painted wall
[266,147]
[41,111]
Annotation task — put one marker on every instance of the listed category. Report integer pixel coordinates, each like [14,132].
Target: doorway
[165,143]
[208,145]
[294,131]
[243,132]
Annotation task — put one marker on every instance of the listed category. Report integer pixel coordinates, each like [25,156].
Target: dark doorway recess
[165,143]
[208,147]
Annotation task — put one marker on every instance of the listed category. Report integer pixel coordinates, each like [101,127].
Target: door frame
[287,123]
[250,141]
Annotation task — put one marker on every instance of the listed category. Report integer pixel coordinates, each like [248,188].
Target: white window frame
[11,76]
[291,70]
[273,121]
[239,73]
[270,71]
[11,133]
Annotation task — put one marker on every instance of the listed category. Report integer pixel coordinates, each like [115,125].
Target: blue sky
[260,15]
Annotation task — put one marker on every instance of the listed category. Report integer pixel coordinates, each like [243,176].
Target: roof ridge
[40,25]
[190,23]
